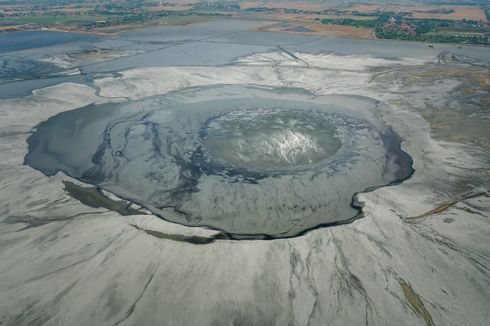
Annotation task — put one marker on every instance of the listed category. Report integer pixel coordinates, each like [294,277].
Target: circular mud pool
[252,162]
[270,138]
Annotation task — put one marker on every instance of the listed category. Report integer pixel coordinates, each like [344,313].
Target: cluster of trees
[390,25]
[483,39]
[444,11]
[369,23]
[222,5]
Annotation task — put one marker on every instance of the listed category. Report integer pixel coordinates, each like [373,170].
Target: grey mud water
[252,162]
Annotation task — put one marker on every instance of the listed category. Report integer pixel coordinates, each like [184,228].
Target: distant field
[429,12]
[312,28]
[416,23]
[170,8]
[340,19]
[452,31]
[50,20]
[435,12]
[309,17]
[341,31]
[286,5]
[170,20]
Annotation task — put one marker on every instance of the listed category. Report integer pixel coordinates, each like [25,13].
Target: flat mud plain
[83,248]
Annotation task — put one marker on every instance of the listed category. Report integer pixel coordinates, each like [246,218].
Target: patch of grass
[416,303]
[91,196]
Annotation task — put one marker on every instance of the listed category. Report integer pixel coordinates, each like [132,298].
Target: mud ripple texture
[252,162]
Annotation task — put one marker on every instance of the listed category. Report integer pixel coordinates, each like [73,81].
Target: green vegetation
[86,16]
[107,18]
[221,6]
[166,17]
[51,20]
[390,25]
[439,38]
[416,303]
[369,23]
[487,12]
[89,15]
[443,11]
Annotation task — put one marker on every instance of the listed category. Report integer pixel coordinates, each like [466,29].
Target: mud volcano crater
[270,138]
[252,162]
